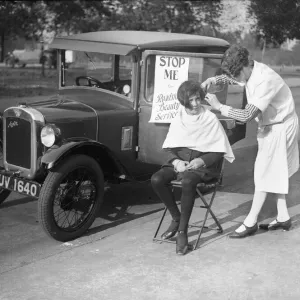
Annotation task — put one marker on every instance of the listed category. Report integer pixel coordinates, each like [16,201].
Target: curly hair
[235,58]
[188,89]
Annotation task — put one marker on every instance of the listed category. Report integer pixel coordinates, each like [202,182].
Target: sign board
[170,72]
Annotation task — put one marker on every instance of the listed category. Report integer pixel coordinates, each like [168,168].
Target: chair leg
[161,220]
[208,207]
[208,211]
[201,230]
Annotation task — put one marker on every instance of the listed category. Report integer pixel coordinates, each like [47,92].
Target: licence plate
[20,185]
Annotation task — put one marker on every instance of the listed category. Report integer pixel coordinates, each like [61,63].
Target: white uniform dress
[278,155]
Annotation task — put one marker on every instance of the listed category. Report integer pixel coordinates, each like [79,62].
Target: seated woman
[196,142]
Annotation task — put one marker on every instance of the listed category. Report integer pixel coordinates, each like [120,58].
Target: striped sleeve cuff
[244,115]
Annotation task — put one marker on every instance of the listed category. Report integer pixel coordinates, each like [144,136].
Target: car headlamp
[49,135]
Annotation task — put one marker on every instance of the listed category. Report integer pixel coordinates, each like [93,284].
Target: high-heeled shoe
[283,225]
[182,243]
[247,232]
[171,231]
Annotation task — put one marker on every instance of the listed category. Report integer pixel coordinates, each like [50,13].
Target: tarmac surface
[117,258]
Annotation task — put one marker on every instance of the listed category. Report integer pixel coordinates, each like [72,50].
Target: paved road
[33,266]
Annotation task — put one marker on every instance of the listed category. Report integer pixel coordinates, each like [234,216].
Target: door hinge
[137,148]
[141,63]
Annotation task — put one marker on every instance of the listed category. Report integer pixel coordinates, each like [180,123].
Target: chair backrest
[220,166]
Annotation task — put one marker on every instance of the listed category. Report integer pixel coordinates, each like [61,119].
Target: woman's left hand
[213,101]
[208,83]
[195,164]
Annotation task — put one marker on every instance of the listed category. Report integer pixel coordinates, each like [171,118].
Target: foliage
[23,18]
[151,15]
[31,18]
[12,19]
[277,20]
[209,13]
[76,16]
[165,15]
[8,14]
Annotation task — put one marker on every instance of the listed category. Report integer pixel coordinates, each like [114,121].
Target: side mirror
[69,56]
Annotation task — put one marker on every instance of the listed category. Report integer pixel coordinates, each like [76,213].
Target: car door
[200,66]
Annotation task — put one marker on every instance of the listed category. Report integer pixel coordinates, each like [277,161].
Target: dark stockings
[160,181]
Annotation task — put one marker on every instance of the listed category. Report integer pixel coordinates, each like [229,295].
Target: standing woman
[270,101]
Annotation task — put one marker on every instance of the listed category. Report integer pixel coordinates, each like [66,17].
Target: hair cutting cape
[202,132]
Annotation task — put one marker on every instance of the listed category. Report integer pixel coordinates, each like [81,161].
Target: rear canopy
[125,42]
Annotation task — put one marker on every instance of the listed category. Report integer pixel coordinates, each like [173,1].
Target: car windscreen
[106,71]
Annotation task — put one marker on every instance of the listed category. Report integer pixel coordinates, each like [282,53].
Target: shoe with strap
[247,232]
[171,231]
[182,245]
[286,225]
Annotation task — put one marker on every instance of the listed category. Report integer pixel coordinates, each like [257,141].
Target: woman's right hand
[180,165]
[208,83]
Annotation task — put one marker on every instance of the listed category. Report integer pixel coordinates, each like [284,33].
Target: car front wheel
[70,198]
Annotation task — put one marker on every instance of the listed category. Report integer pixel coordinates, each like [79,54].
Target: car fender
[92,148]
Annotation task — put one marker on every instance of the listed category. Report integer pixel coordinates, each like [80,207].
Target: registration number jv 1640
[20,185]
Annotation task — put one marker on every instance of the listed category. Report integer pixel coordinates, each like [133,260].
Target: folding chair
[202,190]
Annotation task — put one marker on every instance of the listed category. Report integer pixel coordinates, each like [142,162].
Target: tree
[8,12]
[164,15]
[21,18]
[77,16]
[277,20]
[30,19]
[208,13]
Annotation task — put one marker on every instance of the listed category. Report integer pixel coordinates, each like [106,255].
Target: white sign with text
[170,72]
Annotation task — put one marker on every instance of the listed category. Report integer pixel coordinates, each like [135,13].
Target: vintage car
[107,122]
[23,57]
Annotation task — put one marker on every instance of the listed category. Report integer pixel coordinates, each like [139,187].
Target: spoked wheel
[3,192]
[71,197]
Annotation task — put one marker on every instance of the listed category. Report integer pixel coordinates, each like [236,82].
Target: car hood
[73,118]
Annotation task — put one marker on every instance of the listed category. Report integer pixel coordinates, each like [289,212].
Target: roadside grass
[26,82]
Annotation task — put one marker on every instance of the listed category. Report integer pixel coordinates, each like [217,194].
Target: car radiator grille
[18,142]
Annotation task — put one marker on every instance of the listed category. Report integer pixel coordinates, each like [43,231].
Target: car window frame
[61,76]
[147,53]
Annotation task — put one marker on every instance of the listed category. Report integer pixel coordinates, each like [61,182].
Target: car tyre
[57,181]
[4,195]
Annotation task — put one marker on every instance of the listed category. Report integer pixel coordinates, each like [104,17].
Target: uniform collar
[256,76]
